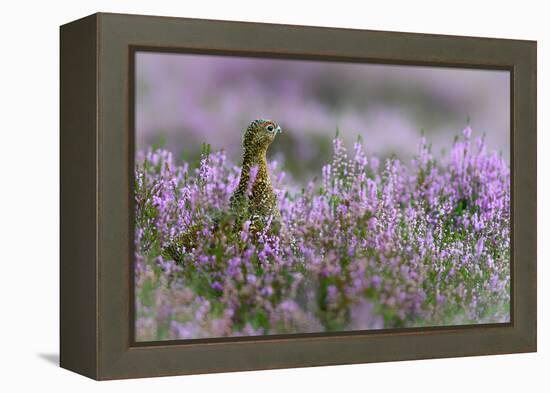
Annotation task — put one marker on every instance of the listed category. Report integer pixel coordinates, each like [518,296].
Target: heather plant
[369,244]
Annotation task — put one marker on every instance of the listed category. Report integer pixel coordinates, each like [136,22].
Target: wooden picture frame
[96,196]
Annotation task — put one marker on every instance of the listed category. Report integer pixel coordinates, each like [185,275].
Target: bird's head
[259,135]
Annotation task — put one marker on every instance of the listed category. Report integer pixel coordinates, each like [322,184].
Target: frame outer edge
[78,197]
[527,179]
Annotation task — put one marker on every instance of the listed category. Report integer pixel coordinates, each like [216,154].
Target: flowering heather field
[365,245]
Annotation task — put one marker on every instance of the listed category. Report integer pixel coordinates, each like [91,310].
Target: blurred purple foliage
[187,99]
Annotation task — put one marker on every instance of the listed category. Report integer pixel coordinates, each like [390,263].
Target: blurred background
[183,100]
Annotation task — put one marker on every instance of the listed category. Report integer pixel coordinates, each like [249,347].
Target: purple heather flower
[393,243]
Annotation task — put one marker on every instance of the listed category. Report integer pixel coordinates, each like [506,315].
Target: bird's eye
[270,128]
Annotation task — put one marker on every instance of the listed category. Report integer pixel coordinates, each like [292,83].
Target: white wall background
[29,194]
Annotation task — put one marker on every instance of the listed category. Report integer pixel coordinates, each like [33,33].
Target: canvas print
[285,196]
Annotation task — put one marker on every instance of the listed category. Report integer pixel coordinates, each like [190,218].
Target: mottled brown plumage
[254,198]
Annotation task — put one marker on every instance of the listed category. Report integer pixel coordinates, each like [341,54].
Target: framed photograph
[242,196]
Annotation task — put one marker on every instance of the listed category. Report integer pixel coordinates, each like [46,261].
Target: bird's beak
[278,130]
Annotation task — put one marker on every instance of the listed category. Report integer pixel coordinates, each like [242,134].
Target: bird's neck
[256,159]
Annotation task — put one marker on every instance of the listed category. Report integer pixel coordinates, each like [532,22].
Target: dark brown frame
[96,192]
